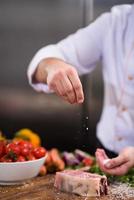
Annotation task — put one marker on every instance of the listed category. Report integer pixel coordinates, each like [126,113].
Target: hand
[116,166]
[62,78]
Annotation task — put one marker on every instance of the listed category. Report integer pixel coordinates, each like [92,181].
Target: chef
[57,68]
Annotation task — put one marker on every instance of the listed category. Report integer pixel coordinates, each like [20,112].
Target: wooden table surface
[41,188]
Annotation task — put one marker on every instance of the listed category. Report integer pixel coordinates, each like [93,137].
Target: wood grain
[39,188]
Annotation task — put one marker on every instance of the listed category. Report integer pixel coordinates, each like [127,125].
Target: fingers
[119,170]
[116,166]
[68,90]
[101,157]
[115,162]
[59,91]
[77,86]
[102,153]
[65,90]
[66,84]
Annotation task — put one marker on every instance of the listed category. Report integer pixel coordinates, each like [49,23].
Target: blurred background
[25,27]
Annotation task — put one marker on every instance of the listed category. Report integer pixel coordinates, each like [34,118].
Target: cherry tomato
[6,159]
[19,151]
[87,161]
[25,144]
[16,142]
[2,148]
[31,157]
[30,146]
[24,151]
[21,159]
[39,152]
[11,147]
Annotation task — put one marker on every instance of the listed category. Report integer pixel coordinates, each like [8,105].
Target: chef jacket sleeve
[82,50]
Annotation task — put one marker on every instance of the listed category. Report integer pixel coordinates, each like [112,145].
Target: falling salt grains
[84,125]
[87,127]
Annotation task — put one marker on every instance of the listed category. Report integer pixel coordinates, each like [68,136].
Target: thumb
[115,162]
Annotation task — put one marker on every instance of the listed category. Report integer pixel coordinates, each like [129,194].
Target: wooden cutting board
[41,188]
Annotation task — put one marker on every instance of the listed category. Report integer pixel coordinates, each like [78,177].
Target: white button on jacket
[110,39]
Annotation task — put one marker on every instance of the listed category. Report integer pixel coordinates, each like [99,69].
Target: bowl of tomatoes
[20,161]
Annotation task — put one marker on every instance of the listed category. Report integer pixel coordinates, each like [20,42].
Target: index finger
[76,83]
[100,157]
[115,162]
[120,170]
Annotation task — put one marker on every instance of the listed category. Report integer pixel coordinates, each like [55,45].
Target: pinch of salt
[105,161]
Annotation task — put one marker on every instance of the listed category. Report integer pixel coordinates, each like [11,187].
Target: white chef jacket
[110,39]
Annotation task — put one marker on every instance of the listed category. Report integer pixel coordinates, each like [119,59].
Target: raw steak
[81,183]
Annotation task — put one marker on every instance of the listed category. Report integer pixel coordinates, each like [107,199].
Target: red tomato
[20,151]
[24,151]
[25,144]
[87,161]
[11,147]
[39,152]
[31,157]
[16,142]
[30,146]
[2,148]
[21,159]
[5,159]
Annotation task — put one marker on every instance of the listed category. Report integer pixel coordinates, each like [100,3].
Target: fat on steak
[81,183]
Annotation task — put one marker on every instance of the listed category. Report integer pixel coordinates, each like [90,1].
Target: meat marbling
[81,183]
